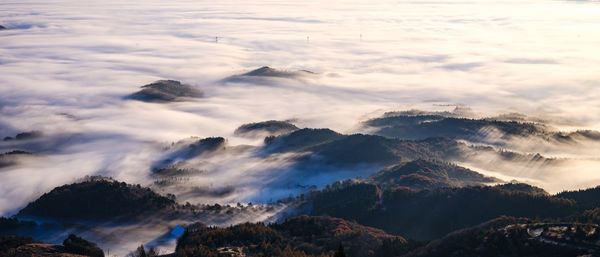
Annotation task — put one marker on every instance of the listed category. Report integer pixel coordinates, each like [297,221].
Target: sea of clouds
[65,67]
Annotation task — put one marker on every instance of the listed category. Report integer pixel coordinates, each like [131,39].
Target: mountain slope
[429,214]
[337,149]
[97,200]
[421,174]
[421,125]
[508,236]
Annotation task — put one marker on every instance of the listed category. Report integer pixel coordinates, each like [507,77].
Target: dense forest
[300,236]
[504,236]
[72,246]
[431,213]
[97,200]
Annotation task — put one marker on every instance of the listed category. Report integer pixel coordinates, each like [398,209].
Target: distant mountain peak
[265,74]
[166,91]
[265,128]
[267,71]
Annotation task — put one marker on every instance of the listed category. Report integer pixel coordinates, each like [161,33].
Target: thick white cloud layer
[66,65]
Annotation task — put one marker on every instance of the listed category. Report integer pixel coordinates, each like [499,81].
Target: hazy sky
[65,66]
